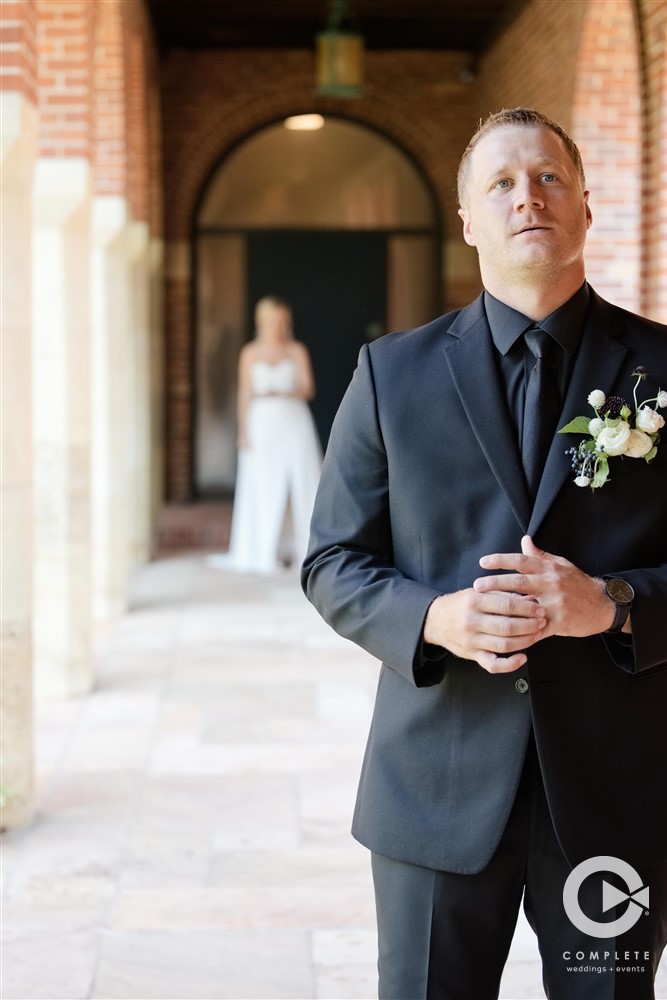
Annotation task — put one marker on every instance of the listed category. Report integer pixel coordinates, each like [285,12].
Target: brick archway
[224,128]
[218,132]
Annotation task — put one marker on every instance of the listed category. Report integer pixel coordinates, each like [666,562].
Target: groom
[519,727]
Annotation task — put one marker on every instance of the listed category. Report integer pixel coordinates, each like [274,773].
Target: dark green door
[336,285]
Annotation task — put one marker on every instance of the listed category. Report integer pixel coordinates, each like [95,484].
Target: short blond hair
[516,116]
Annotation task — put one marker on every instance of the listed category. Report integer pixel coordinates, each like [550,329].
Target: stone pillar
[18,151]
[122,407]
[109,367]
[61,344]
[18,154]
[139,408]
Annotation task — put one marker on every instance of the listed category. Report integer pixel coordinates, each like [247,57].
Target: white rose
[595,426]
[639,444]
[596,398]
[582,481]
[648,420]
[614,440]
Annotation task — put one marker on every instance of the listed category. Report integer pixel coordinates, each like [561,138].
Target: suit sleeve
[349,572]
[647,647]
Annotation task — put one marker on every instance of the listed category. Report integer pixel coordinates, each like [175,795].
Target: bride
[279,455]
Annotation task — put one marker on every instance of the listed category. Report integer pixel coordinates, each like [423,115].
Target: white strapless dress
[281,465]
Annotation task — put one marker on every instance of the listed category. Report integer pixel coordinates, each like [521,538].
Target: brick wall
[653,25]
[178,386]
[18,47]
[65,77]
[588,79]
[126,102]
[92,67]
[136,94]
[109,100]
[154,148]
[607,126]
[534,62]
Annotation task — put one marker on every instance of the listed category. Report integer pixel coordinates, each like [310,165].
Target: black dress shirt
[515,361]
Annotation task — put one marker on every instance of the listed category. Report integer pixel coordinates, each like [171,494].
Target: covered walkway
[192,833]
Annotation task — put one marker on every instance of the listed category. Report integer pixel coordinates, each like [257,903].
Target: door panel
[336,285]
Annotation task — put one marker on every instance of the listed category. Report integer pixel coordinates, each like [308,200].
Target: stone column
[139,409]
[122,406]
[61,343]
[18,154]
[109,366]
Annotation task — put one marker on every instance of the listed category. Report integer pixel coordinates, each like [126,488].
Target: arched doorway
[337,220]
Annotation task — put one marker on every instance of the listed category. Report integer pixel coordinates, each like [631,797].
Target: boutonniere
[615,430]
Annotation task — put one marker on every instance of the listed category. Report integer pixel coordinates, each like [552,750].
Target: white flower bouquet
[615,430]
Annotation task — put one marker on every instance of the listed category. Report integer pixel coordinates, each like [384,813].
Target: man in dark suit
[520,720]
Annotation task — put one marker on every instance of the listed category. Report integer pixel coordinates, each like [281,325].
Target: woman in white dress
[279,452]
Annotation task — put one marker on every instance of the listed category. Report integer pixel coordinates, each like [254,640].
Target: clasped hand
[535,595]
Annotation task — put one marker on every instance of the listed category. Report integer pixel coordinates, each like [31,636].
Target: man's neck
[535,299]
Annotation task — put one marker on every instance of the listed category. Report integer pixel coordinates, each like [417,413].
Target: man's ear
[589,214]
[467,228]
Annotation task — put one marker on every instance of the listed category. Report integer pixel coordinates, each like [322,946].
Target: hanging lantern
[340,53]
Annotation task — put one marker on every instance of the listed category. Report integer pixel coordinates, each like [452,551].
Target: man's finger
[529,548]
[513,560]
[512,583]
[508,635]
[501,664]
[495,601]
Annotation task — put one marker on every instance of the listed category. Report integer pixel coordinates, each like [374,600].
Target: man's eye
[549,177]
[504,183]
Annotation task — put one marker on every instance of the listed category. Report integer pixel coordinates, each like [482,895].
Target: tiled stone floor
[192,837]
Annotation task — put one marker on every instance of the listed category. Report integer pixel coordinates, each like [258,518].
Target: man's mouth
[532,229]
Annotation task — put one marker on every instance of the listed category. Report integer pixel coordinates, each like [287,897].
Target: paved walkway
[192,835]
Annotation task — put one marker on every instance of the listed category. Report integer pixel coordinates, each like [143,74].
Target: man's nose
[528,194]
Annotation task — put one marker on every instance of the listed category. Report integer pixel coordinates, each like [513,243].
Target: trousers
[446,936]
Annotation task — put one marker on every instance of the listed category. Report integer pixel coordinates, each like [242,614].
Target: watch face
[620,591]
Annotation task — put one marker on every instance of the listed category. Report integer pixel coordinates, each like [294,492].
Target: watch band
[620,618]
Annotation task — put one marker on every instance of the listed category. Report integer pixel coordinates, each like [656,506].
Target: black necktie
[541,408]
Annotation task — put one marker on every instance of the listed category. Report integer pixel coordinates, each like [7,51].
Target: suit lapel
[597,366]
[469,354]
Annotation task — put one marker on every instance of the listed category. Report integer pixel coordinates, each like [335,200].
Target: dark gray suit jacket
[421,478]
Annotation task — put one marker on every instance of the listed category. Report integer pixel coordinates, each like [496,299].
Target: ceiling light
[304,123]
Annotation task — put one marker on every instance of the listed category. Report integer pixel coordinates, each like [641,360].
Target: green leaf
[650,455]
[625,412]
[577,426]
[601,473]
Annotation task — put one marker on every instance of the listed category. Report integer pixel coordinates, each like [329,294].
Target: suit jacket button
[521,685]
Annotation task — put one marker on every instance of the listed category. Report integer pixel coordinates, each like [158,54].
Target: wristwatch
[622,594]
